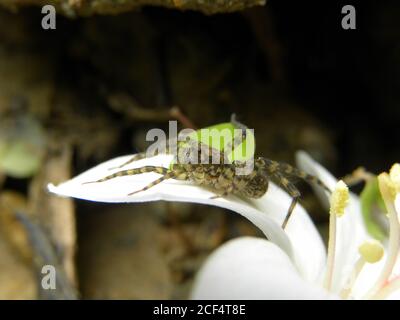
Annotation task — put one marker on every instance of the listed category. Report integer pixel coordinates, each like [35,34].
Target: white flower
[267,213]
[252,268]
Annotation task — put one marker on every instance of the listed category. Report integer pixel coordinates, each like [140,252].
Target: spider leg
[293,192]
[295,200]
[136,157]
[142,155]
[236,123]
[272,167]
[292,171]
[131,172]
[168,175]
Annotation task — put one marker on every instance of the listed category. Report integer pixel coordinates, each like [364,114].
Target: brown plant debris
[89,7]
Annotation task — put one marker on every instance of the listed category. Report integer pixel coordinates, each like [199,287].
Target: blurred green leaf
[226,132]
[22,144]
[371,198]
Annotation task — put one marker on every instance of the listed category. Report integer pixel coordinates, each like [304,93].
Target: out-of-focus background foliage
[89,91]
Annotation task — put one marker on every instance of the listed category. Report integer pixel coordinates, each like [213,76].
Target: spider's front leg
[166,174]
[237,124]
[144,155]
[286,169]
[136,157]
[291,189]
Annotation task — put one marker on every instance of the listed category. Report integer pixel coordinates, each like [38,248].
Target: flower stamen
[348,287]
[338,202]
[339,199]
[371,251]
[388,188]
[395,176]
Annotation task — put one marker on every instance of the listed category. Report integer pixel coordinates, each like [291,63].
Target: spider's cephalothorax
[222,177]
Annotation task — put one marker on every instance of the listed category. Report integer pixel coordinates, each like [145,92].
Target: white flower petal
[307,164]
[117,190]
[396,269]
[395,295]
[266,213]
[252,268]
[367,277]
[301,231]
[351,230]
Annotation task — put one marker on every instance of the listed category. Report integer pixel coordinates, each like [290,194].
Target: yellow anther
[395,176]
[387,187]
[371,251]
[339,199]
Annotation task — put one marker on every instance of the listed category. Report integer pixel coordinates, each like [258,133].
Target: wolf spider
[222,177]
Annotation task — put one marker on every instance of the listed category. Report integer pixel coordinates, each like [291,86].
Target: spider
[222,177]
